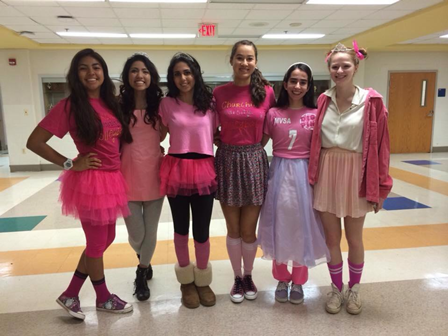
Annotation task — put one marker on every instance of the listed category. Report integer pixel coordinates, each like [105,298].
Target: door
[411,109]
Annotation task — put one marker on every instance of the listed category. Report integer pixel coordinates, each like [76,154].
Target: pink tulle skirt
[337,189]
[96,196]
[187,177]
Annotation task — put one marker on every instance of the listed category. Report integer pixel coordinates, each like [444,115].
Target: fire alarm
[12,61]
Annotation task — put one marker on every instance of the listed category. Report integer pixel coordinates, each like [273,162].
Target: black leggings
[201,209]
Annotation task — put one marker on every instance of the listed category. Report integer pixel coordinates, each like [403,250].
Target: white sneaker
[335,300]
[353,300]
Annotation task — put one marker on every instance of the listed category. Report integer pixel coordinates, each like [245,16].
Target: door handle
[430,114]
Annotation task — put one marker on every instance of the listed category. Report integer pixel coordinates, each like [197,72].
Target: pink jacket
[376,182]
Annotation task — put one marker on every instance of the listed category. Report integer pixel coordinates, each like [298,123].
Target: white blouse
[344,129]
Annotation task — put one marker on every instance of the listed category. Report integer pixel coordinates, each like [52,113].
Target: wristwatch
[68,164]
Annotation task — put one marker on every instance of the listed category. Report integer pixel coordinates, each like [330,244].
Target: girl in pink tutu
[187,173]
[140,97]
[92,186]
[290,231]
[349,168]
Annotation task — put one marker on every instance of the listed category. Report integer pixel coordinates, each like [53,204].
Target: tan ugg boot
[185,275]
[202,280]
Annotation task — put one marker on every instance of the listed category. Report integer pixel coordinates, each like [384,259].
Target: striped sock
[75,285]
[355,271]
[102,293]
[336,275]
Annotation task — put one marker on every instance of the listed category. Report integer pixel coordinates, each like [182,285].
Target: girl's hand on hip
[84,162]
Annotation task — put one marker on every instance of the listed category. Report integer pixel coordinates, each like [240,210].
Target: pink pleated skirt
[94,196]
[337,188]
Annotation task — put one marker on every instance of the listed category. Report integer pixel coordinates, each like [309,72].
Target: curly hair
[257,81]
[89,126]
[308,98]
[202,93]
[153,93]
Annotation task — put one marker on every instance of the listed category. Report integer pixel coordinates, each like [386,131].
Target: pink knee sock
[336,275]
[202,251]
[102,293]
[355,272]
[235,253]
[75,285]
[181,247]
[299,275]
[249,251]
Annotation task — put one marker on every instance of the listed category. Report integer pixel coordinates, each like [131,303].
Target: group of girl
[341,148]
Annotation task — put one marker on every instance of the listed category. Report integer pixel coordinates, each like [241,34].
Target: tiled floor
[405,281]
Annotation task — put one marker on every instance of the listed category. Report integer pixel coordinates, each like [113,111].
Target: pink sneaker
[114,305]
[237,292]
[71,305]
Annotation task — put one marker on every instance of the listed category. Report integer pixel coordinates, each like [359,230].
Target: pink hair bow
[356,49]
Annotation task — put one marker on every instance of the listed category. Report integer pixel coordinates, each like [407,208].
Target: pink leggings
[98,238]
[299,274]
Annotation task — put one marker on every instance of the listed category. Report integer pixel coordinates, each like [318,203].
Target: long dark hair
[88,123]
[202,95]
[257,81]
[308,99]
[153,92]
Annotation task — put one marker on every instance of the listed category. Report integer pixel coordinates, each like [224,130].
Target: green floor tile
[14,224]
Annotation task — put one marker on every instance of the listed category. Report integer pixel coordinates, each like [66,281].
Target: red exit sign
[207,29]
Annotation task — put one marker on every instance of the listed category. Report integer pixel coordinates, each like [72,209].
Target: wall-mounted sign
[441,92]
[208,29]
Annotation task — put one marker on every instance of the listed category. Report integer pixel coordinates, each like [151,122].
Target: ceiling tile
[16,21]
[99,22]
[31,3]
[213,14]
[215,6]
[320,7]
[309,15]
[388,15]
[43,36]
[53,21]
[9,11]
[304,24]
[225,23]
[251,31]
[348,30]
[141,23]
[268,14]
[143,30]
[116,41]
[137,13]
[43,11]
[94,4]
[34,28]
[182,13]
[99,29]
[133,5]
[333,23]
[69,27]
[209,41]
[320,30]
[82,40]
[180,30]
[367,23]
[183,5]
[262,41]
[351,14]
[225,31]
[86,12]
[364,7]
[172,23]
[248,23]
[297,30]
[413,4]
[276,7]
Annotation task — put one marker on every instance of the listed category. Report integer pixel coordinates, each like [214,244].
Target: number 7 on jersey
[293,137]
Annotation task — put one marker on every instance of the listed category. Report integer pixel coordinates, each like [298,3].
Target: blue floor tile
[14,224]
[402,203]
[422,162]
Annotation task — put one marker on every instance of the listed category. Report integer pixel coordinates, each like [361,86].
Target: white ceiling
[234,20]
[429,39]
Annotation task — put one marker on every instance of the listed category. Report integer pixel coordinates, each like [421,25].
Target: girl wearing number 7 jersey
[290,231]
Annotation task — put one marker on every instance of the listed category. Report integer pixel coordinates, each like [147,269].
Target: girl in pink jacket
[349,168]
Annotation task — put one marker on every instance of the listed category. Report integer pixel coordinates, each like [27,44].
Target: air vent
[26,32]
[65,17]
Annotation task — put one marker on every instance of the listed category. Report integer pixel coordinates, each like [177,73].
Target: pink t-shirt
[140,160]
[290,131]
[241,121]
[58,122]
[190,131]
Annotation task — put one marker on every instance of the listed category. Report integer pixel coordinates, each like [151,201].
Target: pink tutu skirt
[187,177]
[337,189]
[96,196]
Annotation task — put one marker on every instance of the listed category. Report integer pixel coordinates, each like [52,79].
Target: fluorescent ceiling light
[292,36]
[81,0]
[88,34]
[163,36]
[351,2]
[160,1]
[444,36]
